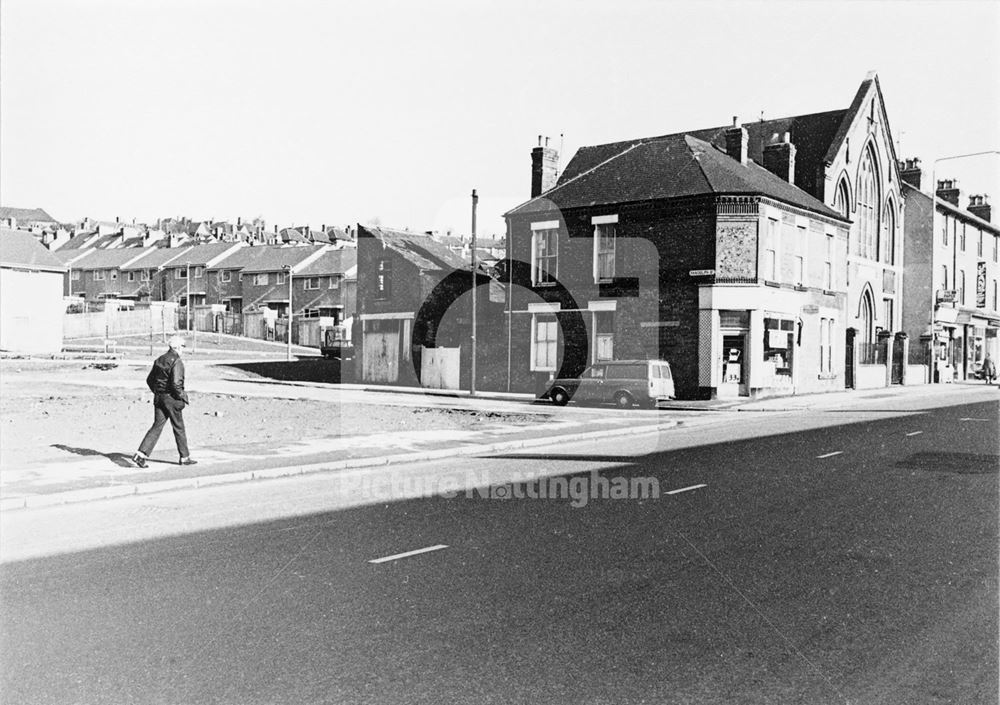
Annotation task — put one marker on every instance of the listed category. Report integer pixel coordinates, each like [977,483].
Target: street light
[288,352]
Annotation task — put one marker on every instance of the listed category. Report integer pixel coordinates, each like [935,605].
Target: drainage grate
[964,463]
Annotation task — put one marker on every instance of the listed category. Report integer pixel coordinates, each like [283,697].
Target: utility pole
[475,300]
[288,350]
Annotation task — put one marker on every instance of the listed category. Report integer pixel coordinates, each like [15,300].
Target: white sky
[339,112]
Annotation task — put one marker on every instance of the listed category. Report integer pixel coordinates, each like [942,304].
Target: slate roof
[79,241]
[199,255]
[156,257]
[674,166]
[26,214]
[111,259]
[953,209]
[275,258]
[423,251]
[19,248]
[332,262]
[243,257]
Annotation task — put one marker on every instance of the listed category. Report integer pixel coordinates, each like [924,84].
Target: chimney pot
[737,142]
[736,120]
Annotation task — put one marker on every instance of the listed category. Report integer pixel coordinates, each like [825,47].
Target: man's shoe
[187,461]
[139,460]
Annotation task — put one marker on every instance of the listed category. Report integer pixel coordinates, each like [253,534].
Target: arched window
[867,327]
[888,240]
[868,206]
[842,201]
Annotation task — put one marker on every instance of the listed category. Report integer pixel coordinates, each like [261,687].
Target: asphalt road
[854,563]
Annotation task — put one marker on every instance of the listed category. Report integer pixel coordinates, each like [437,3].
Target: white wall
[31,311]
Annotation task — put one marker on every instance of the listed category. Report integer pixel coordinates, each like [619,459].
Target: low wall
[917,374]
[870,377]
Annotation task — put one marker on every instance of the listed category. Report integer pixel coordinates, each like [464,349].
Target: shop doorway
[733,382]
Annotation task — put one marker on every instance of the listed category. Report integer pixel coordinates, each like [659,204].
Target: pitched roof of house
[423,251]
[667,167]
[275,258]
[80,240]
[26,214]
[19,248]
[243,257]
[156,256]
[331,262]
[199,255]
[908,190]
[111,259]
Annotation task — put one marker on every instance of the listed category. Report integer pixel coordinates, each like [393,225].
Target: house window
[944,230]
[114,274]
[961,286]
[131,276]
[334,282]
[824,342]
[544,256]
[604,335]
[225,275]
[800,266]
[180,273]
[995,295]
[261,279]
[98,275]
[887,309]
[801,245]
[199,272]
[144,275]
[279,278]
[771,251]
[383,279]
[312,283]
[604,251]
[961,242]
[979,247]
[75,276]
[545,335]
[829,345]
[828,264]
[944,276]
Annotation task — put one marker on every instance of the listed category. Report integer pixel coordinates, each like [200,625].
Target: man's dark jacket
[167,376]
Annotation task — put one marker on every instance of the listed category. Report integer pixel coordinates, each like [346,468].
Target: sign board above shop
[810,308]
[702,272]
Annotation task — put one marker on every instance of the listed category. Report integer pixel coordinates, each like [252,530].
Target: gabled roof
[427,254]
[19,248]
[241,258]
[674,166]
[26,214]
[331,262]
[200,255]
[275,258]
[156,257]
[80,240]
[111,259]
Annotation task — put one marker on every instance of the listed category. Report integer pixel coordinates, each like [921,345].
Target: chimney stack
[979,206]
[947,190]
[779,157]
[910,172]
[737,141]
[544,167]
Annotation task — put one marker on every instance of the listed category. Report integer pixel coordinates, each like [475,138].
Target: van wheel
[559,396]
[623,400]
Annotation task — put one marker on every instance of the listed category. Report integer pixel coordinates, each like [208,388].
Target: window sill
[768,282]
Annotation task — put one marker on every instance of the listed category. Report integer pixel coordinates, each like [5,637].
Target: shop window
[734,319]
[544,340]
[779,339]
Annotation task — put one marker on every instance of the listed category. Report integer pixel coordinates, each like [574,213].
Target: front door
[733,382]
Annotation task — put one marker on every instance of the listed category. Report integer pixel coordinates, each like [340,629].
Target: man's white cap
[176,342]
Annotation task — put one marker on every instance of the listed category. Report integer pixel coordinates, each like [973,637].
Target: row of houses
[779,256]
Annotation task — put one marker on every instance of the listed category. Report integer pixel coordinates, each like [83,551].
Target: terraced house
[759,258]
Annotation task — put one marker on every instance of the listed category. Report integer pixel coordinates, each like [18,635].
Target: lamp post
[954,245]
[472,385]
[288,350]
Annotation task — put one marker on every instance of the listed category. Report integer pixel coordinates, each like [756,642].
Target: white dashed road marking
[971,419]
[914,433]
[396,557]
[830,455]
[686,489]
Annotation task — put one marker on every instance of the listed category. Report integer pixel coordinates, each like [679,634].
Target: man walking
[166,382]
[989,369]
